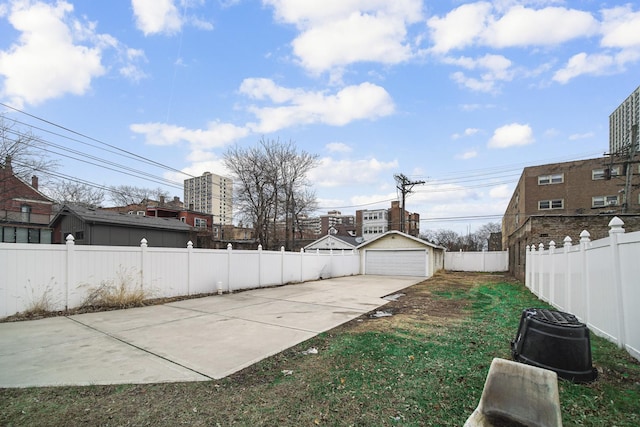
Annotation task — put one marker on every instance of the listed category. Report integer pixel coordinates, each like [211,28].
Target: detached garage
[399,254]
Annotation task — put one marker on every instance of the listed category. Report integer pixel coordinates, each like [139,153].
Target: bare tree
[452,241]
[26,152]
[76,193]
[123,195]
[271,188]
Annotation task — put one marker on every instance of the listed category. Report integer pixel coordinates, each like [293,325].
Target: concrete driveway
[192,340]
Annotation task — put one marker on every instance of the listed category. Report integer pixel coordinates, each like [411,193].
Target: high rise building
[210,193]
[623,125]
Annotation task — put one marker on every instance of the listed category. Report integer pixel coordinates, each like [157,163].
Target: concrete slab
[133,318]
[191,340]
[213,345]
[295,315]
[79,358]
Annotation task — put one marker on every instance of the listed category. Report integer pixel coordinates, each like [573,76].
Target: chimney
[7,165]
[161,200]
[34,182]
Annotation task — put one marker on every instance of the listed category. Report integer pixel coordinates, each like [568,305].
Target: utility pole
[405,185]
[633,146]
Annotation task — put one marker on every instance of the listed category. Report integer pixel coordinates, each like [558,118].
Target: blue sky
[459,94]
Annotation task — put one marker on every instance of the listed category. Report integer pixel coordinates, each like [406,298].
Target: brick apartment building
[24,211]
[557,200]
[371,223]
[338,224]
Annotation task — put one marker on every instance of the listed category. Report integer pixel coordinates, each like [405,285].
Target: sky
[459,94]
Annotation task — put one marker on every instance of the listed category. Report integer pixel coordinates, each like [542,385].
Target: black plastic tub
[556,341]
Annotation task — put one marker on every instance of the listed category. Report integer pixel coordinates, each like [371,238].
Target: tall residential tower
[621,125]
[210,193]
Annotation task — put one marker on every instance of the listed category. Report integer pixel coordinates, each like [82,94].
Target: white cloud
[493,68]
[337,33]
[364,101]
[476,107]
[620,27]
[336,173]
[57,54]
[583,63]
[208,163]
[216,135]
[503,191]
[577,136]
[467,132]
[157,16]
[47,62]
[511,135]
[338,147]
[522,26]
[485,24]
[470,154]
[460,27]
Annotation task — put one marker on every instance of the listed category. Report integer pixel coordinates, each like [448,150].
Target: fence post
[541,273]
[301,265]
[229,254]
[527,267]
[616,229]
[282,265]
[70,264]
[189,265]
[260,265]
[567,281]
[143,261]
[584,243]
[552,273]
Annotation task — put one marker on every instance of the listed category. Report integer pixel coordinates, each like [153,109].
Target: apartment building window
[604,201]
[551,204]
[557,178]
[601,173]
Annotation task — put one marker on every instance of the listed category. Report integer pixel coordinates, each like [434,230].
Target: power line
[134,155]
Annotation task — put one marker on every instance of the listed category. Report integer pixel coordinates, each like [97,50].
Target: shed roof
[102,216]
[349,240]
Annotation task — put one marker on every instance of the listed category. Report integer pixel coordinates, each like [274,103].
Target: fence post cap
[260,247]
[616,225]
[541,246]
[190,244]
[552,244]
[143,242]
[229,247]
[281,248]
[567,241]
[585,234]
[70,239]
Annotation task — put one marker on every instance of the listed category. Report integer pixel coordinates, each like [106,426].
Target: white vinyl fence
[597,281]
[62,276]
[485,261]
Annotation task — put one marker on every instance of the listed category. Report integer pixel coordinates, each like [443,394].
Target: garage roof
[399,233]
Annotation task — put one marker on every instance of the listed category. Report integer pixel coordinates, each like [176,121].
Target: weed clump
[122,292]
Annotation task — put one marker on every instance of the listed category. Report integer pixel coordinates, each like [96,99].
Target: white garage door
[396,262]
